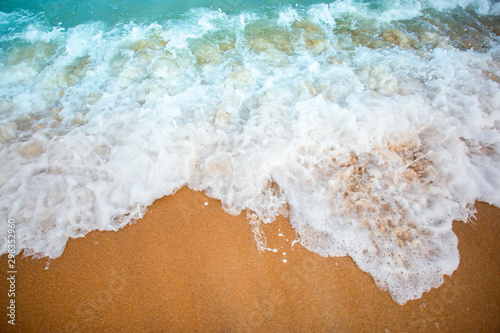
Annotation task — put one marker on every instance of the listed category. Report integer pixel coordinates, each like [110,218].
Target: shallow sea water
[372,124]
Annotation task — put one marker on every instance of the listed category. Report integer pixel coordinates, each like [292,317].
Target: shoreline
[203,272]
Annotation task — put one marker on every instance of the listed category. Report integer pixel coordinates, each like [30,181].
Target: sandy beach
[375,124]
[189,266]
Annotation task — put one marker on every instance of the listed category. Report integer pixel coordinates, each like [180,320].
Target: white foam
[373,138]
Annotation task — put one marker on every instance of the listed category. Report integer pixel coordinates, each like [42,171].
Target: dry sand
[187,266]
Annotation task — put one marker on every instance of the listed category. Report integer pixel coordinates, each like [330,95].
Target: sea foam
[372,128]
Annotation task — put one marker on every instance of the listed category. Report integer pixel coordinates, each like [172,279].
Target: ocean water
[372,124]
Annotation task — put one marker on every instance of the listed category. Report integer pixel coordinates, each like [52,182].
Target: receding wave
[372,127]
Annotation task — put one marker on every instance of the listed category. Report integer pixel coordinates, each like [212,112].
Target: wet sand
[187,266]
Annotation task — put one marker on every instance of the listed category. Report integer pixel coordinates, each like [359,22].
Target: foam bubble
[372,134]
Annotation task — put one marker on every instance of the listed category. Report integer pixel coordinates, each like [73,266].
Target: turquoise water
[71,13]
[371,124]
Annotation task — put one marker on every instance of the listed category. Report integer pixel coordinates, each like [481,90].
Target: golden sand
[188,266]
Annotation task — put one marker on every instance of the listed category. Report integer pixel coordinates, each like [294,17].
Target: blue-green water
[69,13]
[73,12]
[372,124]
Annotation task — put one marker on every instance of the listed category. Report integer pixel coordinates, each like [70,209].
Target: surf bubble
[371,134]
